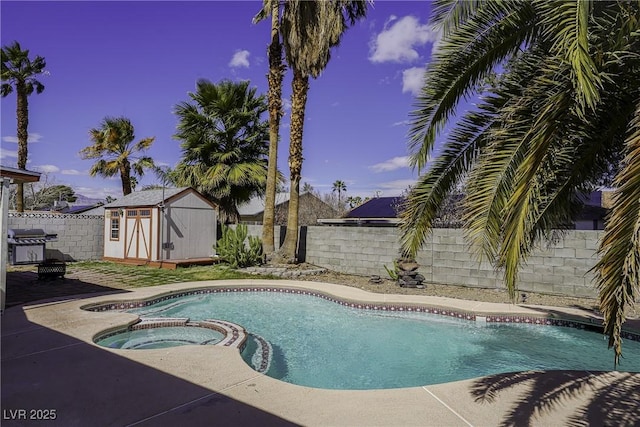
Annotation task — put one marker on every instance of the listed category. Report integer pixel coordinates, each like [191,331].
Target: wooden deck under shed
[171,264]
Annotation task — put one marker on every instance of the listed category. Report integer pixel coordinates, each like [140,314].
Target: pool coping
[441,404]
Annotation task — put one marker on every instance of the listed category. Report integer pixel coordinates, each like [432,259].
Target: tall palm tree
[224,144]
[113,146]
[339,187]
[274,95]
[559,88]
[20,72]
[309,30]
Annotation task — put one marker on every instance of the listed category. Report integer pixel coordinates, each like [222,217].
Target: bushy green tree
[46,198]
[224,142]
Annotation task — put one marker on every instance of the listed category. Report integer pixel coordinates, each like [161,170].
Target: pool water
[171,336]
[322,344]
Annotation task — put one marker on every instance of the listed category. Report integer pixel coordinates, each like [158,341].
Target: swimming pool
[315,342]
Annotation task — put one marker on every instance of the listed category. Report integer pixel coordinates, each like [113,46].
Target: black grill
[28,246]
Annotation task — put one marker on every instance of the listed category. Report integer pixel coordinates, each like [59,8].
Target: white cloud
[397,187]
[391,164]
[413,80]
[98,193]
[240,59]
[72,172]
[384,189]
[8,153]
[397,43]
[32,137]
[46,168]
[402,123]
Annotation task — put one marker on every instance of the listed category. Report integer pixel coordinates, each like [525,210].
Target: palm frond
[567,26]
[462,63]
[618,270]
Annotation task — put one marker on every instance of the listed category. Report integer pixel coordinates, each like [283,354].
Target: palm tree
[113,146]
[339,187]
[274,78]
[224,144]
[20,72]
[309,30]
[307,188]
[559,88]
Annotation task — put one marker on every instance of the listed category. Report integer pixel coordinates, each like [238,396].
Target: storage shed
[160,225]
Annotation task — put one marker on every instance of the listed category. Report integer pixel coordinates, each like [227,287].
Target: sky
[140,59]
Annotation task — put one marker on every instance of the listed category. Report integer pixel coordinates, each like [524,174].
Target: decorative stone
[405,265]
[408,277]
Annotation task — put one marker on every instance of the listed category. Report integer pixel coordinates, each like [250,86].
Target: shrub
[232,247]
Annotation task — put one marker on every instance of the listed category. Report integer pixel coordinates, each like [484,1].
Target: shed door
[138,234]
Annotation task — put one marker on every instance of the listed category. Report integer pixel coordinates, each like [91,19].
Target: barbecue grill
[28,246]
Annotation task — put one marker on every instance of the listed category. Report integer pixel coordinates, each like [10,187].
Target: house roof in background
[379,207]
[147,198]
[255,206]
[82,208]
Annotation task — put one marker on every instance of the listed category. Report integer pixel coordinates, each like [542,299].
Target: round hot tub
[163,333]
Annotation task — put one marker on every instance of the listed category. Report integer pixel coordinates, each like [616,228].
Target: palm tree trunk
[300,87]
[125,176]
[275,76]
[22,114]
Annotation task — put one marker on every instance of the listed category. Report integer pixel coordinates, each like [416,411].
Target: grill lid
[21,233]
[29,236]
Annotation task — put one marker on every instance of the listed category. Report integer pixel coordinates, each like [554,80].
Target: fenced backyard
[563,268]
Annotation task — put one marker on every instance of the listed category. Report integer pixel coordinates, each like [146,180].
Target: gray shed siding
[190,227]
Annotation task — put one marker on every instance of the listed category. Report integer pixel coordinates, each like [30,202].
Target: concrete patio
[52,369]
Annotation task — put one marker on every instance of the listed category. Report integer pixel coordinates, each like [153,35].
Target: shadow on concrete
[614,401]
[47,374]
[24,287]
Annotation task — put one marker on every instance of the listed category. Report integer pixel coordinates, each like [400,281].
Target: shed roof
[147,197]
[379,207]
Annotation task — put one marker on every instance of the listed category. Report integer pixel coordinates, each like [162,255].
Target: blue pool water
[319,343]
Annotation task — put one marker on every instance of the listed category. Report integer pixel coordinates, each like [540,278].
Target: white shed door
[138,234]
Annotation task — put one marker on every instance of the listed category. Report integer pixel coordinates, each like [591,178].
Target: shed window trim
[114,229]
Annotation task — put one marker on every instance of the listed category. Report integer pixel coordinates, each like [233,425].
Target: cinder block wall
[80,237]
[353,250]
[562,268]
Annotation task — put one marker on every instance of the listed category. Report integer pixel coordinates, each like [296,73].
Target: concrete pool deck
[51,368]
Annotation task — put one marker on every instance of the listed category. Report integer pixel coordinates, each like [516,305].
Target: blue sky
[140,59]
